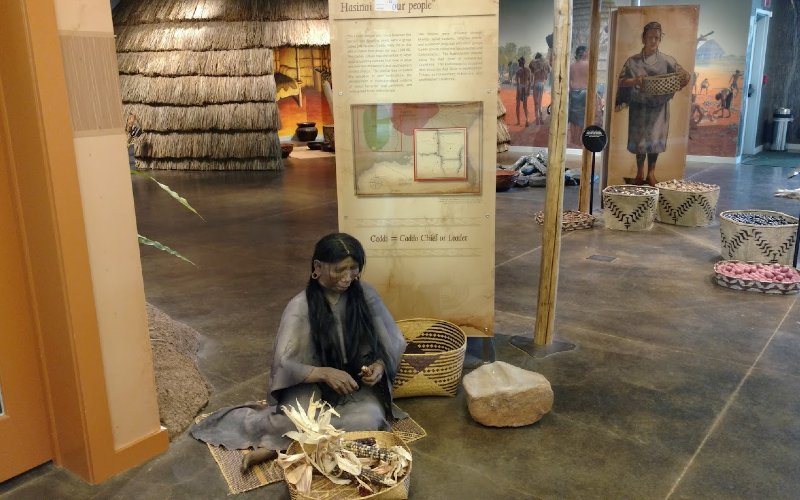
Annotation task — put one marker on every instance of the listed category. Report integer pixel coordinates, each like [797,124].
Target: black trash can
[781,118]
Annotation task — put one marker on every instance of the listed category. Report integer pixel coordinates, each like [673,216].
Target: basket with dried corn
[325,463]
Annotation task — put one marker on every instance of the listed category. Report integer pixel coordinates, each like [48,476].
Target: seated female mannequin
[336,340]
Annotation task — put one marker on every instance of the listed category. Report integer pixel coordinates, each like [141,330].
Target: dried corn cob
[373,477]
[370,451]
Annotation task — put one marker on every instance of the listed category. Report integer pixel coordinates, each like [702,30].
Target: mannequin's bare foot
[651,179]
[257,456]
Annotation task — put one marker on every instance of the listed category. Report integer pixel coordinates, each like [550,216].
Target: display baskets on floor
[324,489]
[687,203]
[629,207]
[754,242]
[724,278]
[433,360]
[571,220]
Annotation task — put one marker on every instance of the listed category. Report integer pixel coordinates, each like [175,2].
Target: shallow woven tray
[571,220]
[323,489]
[230,461]
[433,360]
[757,243]
[734,283]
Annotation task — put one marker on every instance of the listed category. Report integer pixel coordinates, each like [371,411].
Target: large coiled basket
[324,489]
[433,360]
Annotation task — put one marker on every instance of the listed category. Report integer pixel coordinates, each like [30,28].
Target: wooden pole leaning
[591,105]
[554,196]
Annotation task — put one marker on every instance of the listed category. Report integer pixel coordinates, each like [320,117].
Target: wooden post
[554,196]
[591,105]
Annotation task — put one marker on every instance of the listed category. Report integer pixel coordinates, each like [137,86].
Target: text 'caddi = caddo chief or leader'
[423,237]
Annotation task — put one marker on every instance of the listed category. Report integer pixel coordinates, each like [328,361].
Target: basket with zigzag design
[686,207]
[757,243]
[433,360]
[629,208]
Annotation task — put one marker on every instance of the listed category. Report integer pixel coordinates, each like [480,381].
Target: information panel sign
[414,104]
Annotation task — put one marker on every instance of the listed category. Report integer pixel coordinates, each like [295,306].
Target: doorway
[751,90]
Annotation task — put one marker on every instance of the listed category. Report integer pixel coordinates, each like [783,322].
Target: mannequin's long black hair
[358,328]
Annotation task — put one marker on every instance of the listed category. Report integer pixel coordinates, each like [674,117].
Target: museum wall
[87,42]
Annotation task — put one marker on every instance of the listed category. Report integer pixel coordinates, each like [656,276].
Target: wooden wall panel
[90,63]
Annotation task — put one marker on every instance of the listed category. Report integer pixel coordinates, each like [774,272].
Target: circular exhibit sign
[594,138]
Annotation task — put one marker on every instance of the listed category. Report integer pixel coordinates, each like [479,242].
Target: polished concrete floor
[677,388]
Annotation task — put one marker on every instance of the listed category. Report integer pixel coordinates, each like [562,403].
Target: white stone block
[503,395]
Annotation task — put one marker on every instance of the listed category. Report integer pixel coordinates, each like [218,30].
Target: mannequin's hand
[372,374]
[338,380]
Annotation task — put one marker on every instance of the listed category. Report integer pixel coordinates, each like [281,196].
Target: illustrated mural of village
[716,88]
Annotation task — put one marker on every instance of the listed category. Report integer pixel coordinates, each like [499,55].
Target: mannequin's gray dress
[262,426]
[648,116]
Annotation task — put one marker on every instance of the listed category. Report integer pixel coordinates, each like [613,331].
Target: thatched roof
[197,90]
[217,35]
[248,62]
[156,11]
[199,77]
[223,117]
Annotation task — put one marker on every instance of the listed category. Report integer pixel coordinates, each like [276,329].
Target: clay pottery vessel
[328,134]
[306,131]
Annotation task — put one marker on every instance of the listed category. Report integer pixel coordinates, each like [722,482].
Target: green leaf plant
[143,240]
[134,131]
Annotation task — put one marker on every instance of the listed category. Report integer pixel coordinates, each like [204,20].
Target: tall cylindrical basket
[433,360]
[757,243]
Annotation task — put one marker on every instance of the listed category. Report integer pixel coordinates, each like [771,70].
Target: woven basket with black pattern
[433,360]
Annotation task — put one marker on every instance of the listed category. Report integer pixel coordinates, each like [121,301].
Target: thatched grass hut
[199,77]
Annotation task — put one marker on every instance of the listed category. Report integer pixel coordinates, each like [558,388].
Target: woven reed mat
[230,461]
[303,153]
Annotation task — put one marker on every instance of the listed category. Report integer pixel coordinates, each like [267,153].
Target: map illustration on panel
[440,154]
[417,148]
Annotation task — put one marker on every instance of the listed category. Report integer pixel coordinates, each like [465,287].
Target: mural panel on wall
[651,67]
[525,88]
[716,81]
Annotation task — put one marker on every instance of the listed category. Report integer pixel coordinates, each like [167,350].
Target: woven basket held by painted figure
[662,84]
[757,243]
[629,208]
[324,489]
[433,360]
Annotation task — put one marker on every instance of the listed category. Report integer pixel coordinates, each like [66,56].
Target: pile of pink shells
[757,277]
